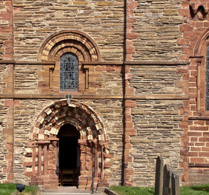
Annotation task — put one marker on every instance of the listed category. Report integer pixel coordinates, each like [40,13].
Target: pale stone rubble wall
[158,133]
[25,115]
[34,21]
[3,74]
[3,127]
[149,80]
[157,26]
[156,121]
[29,82]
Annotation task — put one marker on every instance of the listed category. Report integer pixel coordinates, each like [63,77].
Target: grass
[195,190]
[8,189]
[121,190]
[187,190]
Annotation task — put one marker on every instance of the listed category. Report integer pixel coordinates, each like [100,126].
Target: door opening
[68,153]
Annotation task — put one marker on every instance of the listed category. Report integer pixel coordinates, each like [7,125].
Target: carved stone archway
[41,154]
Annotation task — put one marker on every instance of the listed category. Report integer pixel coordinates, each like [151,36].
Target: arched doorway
[58,121]
[68,156]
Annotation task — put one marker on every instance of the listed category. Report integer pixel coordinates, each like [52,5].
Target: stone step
[69,191]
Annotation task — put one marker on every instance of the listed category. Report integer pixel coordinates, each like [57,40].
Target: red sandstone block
[110,68]
[193,149]
[194,134]
[206,23]
[196,160]
[28,174]
[107,164]
[129,171]
[128,146]
[130,50]
[193,79]
[10,176]
[130,91]
[204,154]
[190,144]
[183,124]
[193,73]
[28,164]
[8,103]
[206,134]
[130,103]
[200,128]
[129,57]
[185,4]
[204,139]
[194,139]
[131,35]
[185,27]
[183,57]
[131,132]
[128,159]
[199,122]
[129,125]
[204,149]
[108,155]
[99,68]
[192,90]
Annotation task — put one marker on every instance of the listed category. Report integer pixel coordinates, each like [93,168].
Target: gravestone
[159,176]
[166,181]
[175,185]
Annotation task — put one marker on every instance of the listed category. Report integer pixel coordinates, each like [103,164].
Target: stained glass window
[68,72]
[207,80]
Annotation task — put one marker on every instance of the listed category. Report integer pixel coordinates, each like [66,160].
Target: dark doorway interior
[68,155]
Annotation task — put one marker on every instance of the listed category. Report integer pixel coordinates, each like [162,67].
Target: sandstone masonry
[141,91]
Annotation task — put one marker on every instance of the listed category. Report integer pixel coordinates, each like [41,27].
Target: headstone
[166,181]
[175,185]
[159,176]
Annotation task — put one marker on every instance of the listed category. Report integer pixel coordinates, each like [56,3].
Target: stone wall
[3,77]
[25,114]
[6,29]
[149,80]
[110,112]
[194,42]
[34,21]
[158,133]
[156,117]
[3,150]
[156,29]
[29,82]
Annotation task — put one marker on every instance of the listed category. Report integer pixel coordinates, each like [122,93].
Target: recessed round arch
[202,44]
[68,40]
[77,114]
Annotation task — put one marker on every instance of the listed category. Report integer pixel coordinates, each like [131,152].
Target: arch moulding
[69,41]
[41,155]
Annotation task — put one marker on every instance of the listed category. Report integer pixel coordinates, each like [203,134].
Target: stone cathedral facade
[95,90]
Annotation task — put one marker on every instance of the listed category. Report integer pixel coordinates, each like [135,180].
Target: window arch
[68,72]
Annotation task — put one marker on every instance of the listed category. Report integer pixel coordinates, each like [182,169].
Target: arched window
[207,79]
[68,72]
